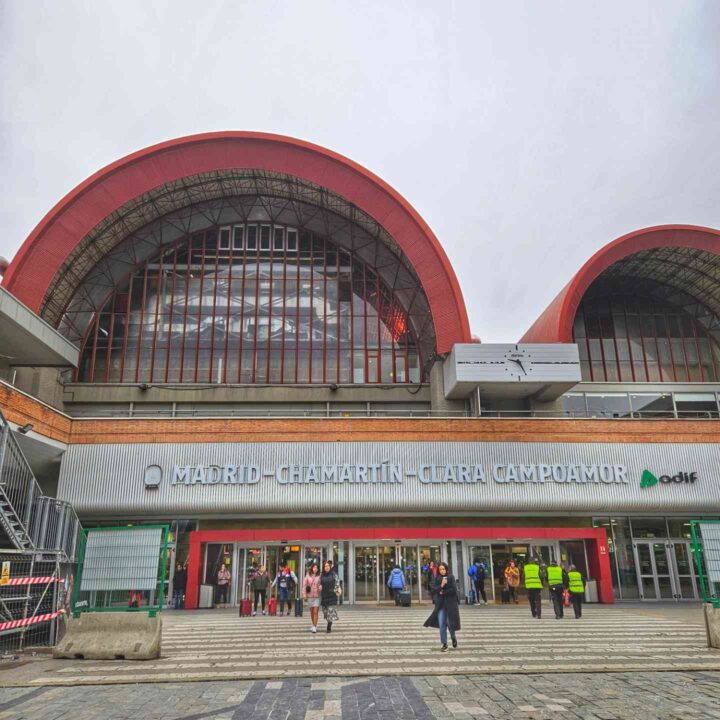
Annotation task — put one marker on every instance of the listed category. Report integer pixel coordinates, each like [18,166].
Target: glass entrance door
[386,562]
[408,562]
[366,570]
[654,571]
[684,571]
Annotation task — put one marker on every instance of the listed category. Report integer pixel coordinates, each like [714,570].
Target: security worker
[576,586]
[534,585]
[557,581]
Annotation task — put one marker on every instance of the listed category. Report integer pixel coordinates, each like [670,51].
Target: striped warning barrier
[33,580]
[12,624]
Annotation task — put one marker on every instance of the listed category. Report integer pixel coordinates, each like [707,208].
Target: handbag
[308,588]
[566,598]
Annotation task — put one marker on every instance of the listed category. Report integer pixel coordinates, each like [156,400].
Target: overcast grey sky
[527,134]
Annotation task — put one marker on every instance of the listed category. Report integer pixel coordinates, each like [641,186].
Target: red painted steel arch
[50,244]
[556,323]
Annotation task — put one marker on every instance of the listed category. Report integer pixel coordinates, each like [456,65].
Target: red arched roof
[50,244]
[556,323]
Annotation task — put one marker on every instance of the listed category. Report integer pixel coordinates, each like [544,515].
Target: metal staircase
[19,491]
[30,520]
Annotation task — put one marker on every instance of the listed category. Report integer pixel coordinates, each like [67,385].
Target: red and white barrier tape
[33,580]
[28,621]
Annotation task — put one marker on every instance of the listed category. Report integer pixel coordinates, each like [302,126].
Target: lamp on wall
[25,429]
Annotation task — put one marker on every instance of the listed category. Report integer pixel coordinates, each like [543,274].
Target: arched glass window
[630,338]
[252,303]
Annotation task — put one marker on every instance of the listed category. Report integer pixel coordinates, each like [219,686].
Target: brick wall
[21,408]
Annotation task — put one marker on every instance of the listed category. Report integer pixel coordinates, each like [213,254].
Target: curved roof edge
[50,244]
[556,322]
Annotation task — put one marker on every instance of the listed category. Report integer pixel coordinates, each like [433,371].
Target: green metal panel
[709,594]
[119,599]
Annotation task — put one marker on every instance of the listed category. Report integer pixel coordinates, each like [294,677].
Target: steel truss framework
[251,303]
[652,317]
[131,235]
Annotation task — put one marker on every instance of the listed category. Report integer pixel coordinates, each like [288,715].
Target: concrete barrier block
[712,625]
[111,636]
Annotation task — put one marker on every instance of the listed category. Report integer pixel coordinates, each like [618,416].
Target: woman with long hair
[330,591]
[446,615]
[311,592]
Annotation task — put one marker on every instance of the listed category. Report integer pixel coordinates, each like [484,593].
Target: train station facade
[261,343]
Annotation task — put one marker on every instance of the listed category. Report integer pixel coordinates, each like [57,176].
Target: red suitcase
[272,606]
[245,608]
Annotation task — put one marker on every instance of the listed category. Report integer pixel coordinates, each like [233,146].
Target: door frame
[597,546]
[655,575]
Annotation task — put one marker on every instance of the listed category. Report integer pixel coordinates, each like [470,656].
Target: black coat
[447,598]
[327,588]
[180,582]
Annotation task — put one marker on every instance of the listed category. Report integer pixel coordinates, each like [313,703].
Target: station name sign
[386,473]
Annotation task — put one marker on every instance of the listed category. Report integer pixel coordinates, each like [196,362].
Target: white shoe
[254,613]
[264,612]
[313,629]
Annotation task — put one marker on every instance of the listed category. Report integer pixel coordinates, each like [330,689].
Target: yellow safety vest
[554,575]
[575,582]
[532,576]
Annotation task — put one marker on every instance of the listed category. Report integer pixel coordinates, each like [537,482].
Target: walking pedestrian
[479,580]
[312,589]
[534,586]
[258,584]
[576,586]
[223,583]
[329,593]
[286,581]
[179,585]
[512,580]
[431,575]
[446,615]
[557,582]
[396,582]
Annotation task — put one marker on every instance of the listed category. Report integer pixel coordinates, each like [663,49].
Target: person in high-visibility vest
[557,581]
[576,586]
[534,585]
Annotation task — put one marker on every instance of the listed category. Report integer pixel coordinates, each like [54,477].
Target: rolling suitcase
[272,606]
[298,607]
[505,597]
[404,598]
[245,608]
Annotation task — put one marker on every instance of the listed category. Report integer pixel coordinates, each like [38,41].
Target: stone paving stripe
[22,698]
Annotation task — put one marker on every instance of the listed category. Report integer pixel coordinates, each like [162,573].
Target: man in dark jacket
[479,580]
[179,585]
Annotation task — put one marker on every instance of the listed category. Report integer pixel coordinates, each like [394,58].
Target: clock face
[518,361]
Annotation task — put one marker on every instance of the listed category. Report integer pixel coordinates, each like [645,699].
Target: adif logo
[648,479]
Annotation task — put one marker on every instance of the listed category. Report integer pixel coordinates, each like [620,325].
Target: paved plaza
[600,696]
[381,664]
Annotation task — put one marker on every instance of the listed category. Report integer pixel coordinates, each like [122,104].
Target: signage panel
[262,478]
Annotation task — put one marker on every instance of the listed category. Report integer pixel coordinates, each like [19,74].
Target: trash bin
[206,596]
[591,591]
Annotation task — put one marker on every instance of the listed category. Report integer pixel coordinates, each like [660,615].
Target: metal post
[27,602]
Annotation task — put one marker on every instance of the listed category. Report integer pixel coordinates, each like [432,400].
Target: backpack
[480,571]
[472,571]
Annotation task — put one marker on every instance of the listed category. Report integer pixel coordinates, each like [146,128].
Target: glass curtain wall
[252,304]
[624,338]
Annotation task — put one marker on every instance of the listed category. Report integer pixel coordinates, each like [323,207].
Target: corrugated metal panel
[109,479]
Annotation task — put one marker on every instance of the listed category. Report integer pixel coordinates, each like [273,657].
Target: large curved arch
[556,322]
[50,246]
